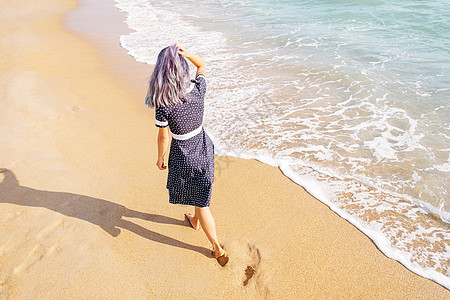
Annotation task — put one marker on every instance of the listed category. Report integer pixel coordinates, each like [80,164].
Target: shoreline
[94,165]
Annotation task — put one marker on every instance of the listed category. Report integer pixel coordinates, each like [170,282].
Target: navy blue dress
[191,161]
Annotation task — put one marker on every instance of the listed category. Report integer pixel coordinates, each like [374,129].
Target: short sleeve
[201,84]
[160,118]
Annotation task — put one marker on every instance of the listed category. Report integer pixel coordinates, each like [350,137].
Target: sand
[84,209]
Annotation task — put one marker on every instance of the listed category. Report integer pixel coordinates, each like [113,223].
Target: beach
[85,211]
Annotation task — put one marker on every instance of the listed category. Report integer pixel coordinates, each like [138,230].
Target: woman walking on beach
[179,105]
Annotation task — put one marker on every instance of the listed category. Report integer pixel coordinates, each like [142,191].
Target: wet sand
[85,212]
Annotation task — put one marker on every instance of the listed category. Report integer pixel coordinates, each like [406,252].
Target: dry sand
[85,212]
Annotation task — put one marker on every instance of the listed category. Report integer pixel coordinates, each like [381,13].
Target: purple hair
[170,79]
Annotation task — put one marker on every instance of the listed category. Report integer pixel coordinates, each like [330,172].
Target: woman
[179,105]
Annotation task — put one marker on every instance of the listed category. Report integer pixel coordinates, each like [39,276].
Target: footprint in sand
[245,261]
[34,256]
[255,259]
[74,109]
[249,272]
[50,229]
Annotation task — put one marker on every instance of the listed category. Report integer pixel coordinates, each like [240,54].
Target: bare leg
[203,214]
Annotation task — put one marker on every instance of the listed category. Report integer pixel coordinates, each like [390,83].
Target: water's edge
[379,240]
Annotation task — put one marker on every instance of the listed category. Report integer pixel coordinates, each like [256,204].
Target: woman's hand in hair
[181,50]
[195,59]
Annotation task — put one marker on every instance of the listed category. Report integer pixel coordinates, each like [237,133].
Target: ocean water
[351,99]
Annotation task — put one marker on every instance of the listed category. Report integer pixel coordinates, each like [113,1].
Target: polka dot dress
[191,161]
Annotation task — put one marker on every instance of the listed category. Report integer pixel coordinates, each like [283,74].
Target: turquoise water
[350,98]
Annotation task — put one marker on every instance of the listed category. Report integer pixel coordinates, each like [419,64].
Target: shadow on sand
[107,215]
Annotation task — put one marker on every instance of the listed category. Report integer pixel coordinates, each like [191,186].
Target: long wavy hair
[170,79]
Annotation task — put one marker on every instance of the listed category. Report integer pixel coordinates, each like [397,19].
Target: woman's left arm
[163,146]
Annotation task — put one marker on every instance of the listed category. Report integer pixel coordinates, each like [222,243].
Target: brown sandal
[221,259]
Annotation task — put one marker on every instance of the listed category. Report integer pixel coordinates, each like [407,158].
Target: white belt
[187,135]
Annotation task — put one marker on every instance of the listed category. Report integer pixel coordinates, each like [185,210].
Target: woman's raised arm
[195,59]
